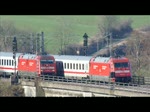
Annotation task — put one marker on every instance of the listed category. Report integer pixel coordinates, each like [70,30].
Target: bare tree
[106,24]
[138,52]
[8,31]
[63,33]
[111,29]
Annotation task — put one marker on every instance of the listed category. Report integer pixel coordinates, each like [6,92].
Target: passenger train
[95,68]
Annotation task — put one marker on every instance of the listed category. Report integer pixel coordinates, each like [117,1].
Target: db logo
[104,67]
[95,67]
[31,63]
[23,63]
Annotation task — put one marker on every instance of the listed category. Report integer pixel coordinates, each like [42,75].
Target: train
[114,69]
[26,64]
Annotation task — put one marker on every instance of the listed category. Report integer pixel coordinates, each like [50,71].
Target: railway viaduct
[70,89]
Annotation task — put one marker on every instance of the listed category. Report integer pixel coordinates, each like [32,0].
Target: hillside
[80,24]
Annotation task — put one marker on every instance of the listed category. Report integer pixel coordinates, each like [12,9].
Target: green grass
[138,21]
[80,25]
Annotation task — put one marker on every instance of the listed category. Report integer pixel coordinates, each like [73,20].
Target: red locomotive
[27,64]
[116,68]
[95,68]
[36,64]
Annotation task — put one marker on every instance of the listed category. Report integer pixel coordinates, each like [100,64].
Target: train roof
[102,59]
[106,59]
[72,57]
[9,54]
[32,56]
[28,56]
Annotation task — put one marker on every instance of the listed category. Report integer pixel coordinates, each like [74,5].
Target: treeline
[108,27]
[8,31]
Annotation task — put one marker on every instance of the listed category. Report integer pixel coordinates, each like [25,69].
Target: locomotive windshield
[121,65]
[47,61]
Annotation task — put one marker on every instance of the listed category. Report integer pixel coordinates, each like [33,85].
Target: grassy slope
[138,21]
[81,24]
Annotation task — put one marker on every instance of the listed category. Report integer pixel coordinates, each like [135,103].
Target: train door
[60,68]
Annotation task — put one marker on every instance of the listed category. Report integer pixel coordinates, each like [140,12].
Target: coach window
[77,66]
[82,66]
[67,65]
[12,63]
[7,62]
[70,65]
[73,66]
[0,61]
[4,62]
[86,66]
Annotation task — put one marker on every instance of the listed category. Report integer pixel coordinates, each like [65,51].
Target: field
[80,24]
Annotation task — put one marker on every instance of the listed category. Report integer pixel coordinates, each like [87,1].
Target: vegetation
[7,90]
[80,24]
[137,50]
[64,35]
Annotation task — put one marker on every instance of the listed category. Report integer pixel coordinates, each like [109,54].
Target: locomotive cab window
[121,65]
[47,61]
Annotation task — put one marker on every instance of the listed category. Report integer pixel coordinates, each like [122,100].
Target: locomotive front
[47,65]
[121,69]
[110,69]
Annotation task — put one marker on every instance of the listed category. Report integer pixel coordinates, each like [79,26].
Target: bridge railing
[138,80]
[75,80]
[141,80]
[147,80]
[87,82]
[71,80]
